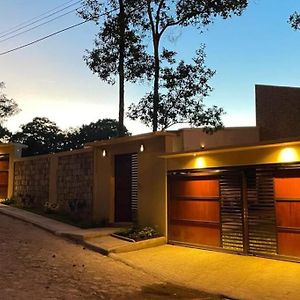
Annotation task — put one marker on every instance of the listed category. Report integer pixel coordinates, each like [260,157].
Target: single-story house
[236,190]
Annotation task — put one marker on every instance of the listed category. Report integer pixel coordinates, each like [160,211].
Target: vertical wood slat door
[261,219]
[194,211]
[287,197]
[232,211]
[123,187]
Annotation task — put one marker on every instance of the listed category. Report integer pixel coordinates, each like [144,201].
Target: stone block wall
[277,112]
[75,177]
[31,181]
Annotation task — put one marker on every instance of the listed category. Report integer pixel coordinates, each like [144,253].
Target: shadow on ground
[172,291]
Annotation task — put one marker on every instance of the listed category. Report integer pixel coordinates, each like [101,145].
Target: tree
[163,15]
[5,134]
[41,135]
[8,107]
[294,20]
[118,49]
[183,89]
[100,130]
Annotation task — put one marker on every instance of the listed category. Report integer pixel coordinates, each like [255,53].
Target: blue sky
[50,78]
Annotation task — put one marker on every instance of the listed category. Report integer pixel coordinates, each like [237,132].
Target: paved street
[35,264]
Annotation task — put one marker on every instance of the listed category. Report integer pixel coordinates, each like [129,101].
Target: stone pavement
[96,239]
[236,276]
[37,265]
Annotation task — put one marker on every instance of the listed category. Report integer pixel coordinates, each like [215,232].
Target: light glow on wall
[288,155]
[200,162]
[104,153]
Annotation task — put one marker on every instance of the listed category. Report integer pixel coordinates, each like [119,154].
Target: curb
[71,234]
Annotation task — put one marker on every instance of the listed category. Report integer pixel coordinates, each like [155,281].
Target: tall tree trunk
[121,67]
[156,81]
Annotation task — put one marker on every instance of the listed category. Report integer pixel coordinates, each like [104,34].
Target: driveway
[236,276]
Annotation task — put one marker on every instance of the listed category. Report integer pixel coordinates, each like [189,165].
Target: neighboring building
[233,190]
[8,153]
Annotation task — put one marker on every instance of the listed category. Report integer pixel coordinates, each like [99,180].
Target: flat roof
[130,138]
[265,144]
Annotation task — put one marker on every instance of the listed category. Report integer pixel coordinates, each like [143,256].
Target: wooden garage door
[194,211]
[287,196]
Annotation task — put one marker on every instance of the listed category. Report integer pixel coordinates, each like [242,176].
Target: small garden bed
[136,234]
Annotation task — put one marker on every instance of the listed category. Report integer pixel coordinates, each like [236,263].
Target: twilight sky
[51,79]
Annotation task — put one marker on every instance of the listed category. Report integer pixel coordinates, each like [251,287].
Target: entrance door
[194,211]
[125,187]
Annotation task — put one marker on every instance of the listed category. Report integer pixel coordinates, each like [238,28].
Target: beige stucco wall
[151,179]
[256,155]
[193,138]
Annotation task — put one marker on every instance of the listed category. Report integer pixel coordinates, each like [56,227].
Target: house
[236,190]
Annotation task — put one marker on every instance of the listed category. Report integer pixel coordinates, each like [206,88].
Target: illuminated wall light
[288,155]
[200,162]
[142,148]
[104,153]
[202,146]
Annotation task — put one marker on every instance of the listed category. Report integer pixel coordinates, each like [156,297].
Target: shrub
[9,201]
[139,233]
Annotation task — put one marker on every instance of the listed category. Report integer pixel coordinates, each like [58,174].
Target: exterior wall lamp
[104,153]
[142,148]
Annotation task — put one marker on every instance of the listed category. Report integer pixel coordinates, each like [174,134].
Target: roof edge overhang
[128,139]
[262,145]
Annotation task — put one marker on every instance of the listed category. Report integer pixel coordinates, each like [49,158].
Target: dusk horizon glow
[50,78]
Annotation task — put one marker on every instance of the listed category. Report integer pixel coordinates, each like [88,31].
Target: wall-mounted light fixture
[104,153]
[288,155]
[202,146]
[142,148]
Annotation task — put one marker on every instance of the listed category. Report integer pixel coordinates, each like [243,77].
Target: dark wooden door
[123,184]
[194,211]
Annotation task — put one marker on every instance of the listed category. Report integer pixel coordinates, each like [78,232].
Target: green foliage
[5,134]
[41,135]
[139,233]
[161,15]
[294,20]
[183,88]
[9,201]
[118,50]
[101,130]
[8,107]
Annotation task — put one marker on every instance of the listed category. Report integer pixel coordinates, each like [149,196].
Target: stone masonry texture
[31,182]
[277,112]
[75,184]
